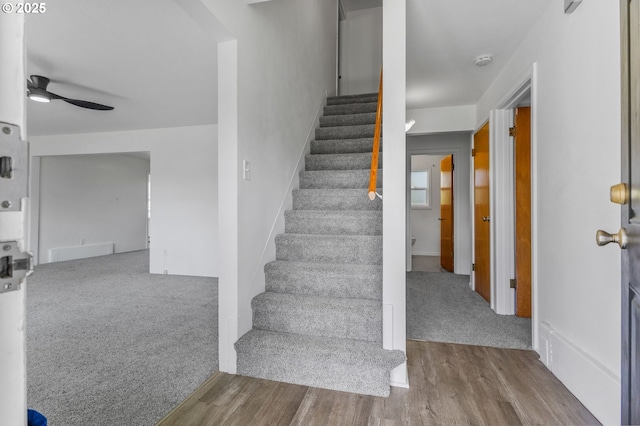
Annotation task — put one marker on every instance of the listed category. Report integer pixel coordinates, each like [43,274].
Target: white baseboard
[597,387]
[400,376]
[425,253]
[60,254]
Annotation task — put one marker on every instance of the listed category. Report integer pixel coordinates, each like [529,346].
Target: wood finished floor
[450,385]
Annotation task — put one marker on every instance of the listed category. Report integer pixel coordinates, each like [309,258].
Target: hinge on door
[512,283]
[473,152]
[15,262]
[512,131]
[473,266]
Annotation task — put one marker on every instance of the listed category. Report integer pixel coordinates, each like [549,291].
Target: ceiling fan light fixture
[38,96]
[483,60]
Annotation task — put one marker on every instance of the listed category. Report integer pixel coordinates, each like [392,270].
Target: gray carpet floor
[426,264]
[442,308]
[110,344]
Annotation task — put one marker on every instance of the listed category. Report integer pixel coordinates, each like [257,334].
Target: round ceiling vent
[483,60]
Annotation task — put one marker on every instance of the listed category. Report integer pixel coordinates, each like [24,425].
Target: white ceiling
[445,36]
[155,60]
[147,58]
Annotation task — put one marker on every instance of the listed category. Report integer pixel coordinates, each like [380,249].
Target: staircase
[319,322]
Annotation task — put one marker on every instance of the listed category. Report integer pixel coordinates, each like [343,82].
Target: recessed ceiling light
[483,60]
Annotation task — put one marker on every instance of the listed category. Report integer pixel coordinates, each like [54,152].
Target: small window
[420,189]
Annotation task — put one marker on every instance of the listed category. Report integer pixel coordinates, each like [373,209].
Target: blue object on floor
[35,419]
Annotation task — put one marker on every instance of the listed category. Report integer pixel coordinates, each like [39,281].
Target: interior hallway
[441,307]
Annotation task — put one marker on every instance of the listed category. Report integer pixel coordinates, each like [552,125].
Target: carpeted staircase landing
[319,323]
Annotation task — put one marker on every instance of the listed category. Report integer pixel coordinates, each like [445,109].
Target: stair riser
[345,109]
[334,376]
[362,250]
[353,99]
[333,224]
[324,321]
[340,162]
[343,146]
[302,200]
[337,179]
[320,321]
[345,132]
[347,120]
[354,281]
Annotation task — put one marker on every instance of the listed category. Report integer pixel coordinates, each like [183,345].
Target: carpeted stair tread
[337,179]
[352,99]
[340,222]
[318,316]
[340,364]
[354,108]
[345,132]
[319,322]
[348,119]
[343,146]
[335,199]
[359,249]
[357,161]
[324,279]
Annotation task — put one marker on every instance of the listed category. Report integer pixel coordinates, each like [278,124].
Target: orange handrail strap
[373,175]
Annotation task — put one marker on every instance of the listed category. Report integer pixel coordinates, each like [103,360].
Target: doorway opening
[88,205]
[443,306]
[432,225]
[512,205]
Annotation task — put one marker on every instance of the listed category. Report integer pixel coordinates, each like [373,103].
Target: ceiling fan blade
[86,104]
[39,84]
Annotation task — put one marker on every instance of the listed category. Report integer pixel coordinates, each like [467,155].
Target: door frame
[501,179]
[13,388]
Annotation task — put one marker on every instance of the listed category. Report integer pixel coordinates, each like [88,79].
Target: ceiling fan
[37,91]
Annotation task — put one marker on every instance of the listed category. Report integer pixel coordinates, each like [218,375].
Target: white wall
[444,119]
[458,143]
[425,226]
[361,51]
[184,190]
[276,74]
[88,199]
[394,156]
[576,158]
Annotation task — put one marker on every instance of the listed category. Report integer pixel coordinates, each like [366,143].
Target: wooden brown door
[522,152]
[627,194]
[446,213]
[482,219]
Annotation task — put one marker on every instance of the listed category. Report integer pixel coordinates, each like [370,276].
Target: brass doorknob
[619,193]
[603,238]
